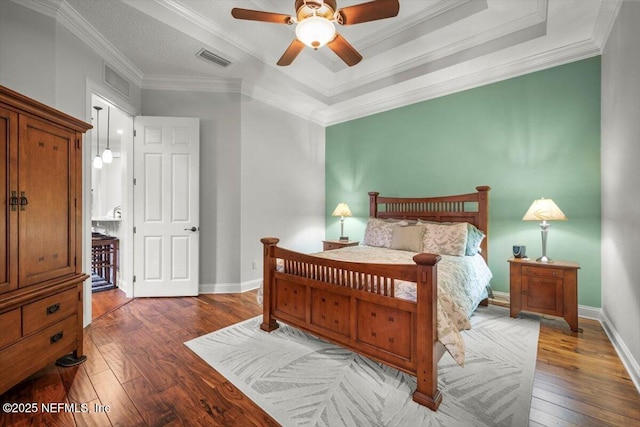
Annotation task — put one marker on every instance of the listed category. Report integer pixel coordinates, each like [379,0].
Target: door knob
[191,229]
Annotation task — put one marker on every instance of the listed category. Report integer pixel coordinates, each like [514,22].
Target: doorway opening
[111,135]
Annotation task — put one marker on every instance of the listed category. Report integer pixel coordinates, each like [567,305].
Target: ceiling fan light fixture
[315,31]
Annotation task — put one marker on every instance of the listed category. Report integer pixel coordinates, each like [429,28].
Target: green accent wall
[528,137]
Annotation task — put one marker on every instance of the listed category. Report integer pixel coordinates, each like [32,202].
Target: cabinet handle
[57,337]
[53,308]
[23,201]
[555,274]
[13,200]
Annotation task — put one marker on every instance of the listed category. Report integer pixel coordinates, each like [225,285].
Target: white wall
[282,183]
[40,58]
[262,173]
[620,156]
[219,115]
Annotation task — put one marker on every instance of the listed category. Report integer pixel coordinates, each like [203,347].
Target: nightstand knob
[555,274]
[526,270]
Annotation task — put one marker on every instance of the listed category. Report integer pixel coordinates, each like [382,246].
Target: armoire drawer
[37,351]
[10,322]
[48,311]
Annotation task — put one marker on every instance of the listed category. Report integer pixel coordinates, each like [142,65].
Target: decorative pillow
[378,233]
[407,238]
[474,238]
[445,239]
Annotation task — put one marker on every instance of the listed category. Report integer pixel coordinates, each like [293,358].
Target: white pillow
[379,232]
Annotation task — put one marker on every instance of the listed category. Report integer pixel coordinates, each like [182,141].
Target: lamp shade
[341,210]
[544,210]
[315,31]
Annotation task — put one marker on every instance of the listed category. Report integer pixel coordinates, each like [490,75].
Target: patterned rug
[303,381]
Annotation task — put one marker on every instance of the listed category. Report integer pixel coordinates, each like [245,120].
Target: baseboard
[229,288]
[629,362]
[631,365]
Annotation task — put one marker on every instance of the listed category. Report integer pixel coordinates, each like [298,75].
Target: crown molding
[282,103]
[69,18]
[333,114]
[604,23]
[570,53]
[46,7]
[211,27]
[191,84]
[511,28]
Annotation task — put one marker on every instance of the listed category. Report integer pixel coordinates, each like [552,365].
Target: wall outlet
[255,264]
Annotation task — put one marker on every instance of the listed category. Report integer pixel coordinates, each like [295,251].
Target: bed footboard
[353,305]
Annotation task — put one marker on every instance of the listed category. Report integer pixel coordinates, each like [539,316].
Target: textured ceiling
[431,48]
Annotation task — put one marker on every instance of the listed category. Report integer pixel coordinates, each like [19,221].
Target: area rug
[301,380]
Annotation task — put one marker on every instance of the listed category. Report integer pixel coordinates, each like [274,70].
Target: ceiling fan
[315,20]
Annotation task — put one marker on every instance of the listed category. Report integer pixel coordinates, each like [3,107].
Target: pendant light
[97,160]
[107,155]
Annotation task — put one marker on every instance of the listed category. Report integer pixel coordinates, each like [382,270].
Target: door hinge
[134,278]
[134,230]
[134,181]
[135,133]
[78,144]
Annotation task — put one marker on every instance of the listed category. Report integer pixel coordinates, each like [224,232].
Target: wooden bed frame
[353,304]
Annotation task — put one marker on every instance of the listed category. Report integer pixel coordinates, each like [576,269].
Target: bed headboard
[472,208]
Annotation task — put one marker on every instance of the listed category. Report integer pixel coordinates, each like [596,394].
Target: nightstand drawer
[328,246]
[553,273]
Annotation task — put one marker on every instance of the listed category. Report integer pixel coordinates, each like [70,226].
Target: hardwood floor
[138,366]
[104,302]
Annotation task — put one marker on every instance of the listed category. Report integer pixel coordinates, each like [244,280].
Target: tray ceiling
[433,47]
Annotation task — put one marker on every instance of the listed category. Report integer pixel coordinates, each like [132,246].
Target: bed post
[483,217]
[427,392]
[269,266]
[373,204]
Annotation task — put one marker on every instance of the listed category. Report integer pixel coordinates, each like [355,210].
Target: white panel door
[166,206]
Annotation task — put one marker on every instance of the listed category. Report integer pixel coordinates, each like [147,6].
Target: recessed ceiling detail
[431,48]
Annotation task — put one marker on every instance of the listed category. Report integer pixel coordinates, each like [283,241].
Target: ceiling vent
[212,57]
[115,81]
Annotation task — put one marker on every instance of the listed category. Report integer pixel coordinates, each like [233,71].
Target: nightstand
[545,288]
[328,245]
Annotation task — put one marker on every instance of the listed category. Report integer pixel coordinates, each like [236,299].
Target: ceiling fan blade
[371,11]
[257,15]
[344,50]
[291,53]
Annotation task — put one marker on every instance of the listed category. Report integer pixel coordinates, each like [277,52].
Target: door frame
[126,248]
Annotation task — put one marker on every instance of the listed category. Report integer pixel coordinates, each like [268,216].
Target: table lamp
[544,210]
[342,210]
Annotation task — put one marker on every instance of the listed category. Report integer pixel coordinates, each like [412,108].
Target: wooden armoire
[41,278]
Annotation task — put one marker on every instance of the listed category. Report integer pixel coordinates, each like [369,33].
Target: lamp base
[344,238]
[544,259]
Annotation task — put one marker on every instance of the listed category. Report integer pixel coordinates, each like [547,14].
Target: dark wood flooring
[138,366]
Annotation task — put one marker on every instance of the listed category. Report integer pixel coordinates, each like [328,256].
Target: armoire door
[47,199]
[9,212]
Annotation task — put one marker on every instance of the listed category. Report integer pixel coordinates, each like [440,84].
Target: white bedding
[462,284]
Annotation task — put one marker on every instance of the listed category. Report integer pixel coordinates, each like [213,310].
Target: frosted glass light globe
[315,31]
